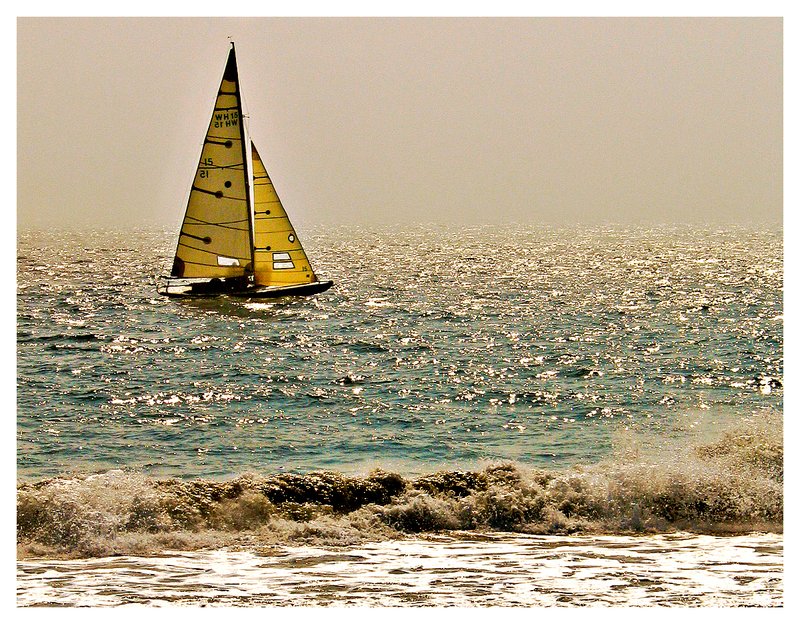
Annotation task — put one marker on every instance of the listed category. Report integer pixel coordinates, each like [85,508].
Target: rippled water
[462,400]
[436,347]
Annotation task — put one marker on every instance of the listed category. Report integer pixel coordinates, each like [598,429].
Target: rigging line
[242,130]
[243,105]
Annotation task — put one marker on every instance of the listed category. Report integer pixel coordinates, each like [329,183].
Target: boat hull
[251,292]
[268,292]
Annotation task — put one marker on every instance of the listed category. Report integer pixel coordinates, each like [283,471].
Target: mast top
[231,72]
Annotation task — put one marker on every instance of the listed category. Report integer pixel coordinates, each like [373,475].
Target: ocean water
[505,382]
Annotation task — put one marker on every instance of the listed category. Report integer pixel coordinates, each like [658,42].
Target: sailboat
[236,238]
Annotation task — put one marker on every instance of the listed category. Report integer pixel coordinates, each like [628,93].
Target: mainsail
[278,256]
[215,238]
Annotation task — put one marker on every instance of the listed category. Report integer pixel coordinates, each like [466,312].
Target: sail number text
[226,120]
[205,164]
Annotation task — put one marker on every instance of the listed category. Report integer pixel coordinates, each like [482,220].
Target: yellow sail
[215,238]
[278,256]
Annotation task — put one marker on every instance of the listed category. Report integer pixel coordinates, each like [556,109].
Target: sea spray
[733,484]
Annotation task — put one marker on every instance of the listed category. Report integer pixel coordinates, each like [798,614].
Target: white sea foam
[487,570]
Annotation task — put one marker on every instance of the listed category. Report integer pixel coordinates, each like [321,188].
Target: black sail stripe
[218,194]
[223,224]
[210,252]
[236,166]
[209,264]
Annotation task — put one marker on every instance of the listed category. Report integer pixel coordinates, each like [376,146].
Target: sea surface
[520,402]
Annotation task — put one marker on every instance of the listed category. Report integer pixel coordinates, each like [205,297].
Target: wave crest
[734,484]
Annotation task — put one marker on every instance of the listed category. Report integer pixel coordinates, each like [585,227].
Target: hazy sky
[398,120]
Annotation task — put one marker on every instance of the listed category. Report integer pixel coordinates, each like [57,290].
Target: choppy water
[434,348]
[490,361]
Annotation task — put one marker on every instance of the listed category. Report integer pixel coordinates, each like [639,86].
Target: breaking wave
[733,484]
